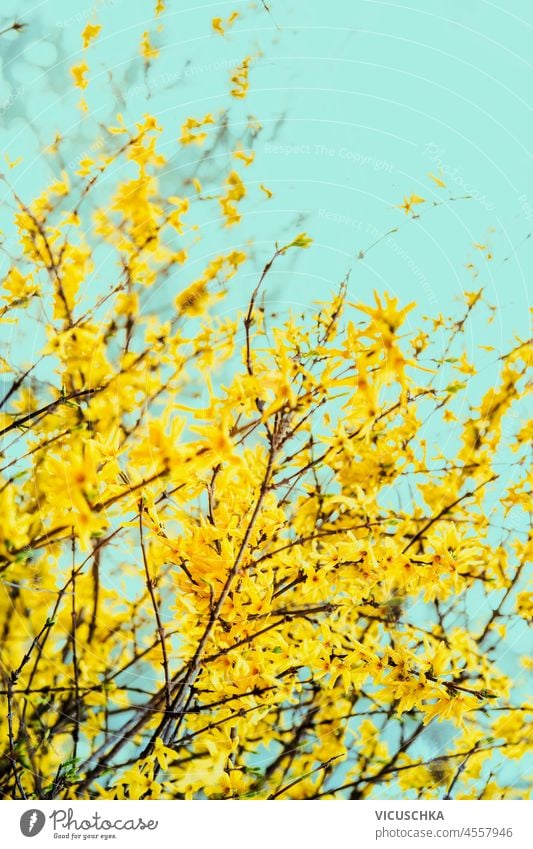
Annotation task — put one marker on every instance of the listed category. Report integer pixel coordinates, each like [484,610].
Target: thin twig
[305,775]
[75,669]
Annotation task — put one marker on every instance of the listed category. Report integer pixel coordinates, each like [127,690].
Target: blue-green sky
[358,99]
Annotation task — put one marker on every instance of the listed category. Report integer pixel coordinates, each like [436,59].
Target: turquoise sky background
[359,100]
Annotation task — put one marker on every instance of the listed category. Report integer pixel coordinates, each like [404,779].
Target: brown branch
[51,619]
[444,510]
[248,321]
[38,447]
[50,264]
[496,612]
[372,779]
[12,754]
[48,408]
[18,382]
[301,778]
[460,769]
[16,26]
[75,669]
[15,674]
[195,663]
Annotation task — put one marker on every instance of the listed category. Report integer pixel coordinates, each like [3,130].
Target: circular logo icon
[32,822]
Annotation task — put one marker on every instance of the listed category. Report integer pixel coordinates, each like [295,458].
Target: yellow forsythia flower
[89,34]
[78,72]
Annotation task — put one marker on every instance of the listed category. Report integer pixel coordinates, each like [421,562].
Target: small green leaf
[452,388]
